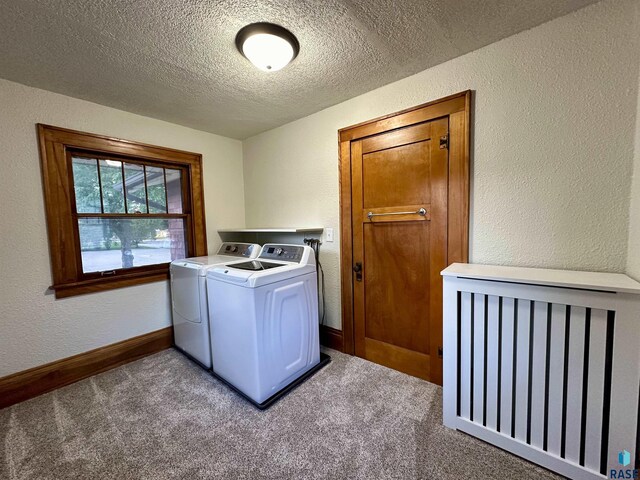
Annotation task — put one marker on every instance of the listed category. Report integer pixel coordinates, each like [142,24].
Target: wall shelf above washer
[270,235]
[271,230]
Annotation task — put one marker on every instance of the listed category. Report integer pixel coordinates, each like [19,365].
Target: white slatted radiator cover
[544,364]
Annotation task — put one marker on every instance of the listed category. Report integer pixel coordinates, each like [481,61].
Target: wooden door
[404,177]
[399,202]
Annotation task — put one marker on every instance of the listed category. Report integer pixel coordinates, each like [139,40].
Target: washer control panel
[237,249]
[288,253]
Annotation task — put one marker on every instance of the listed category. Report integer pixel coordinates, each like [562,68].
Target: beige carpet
[163,417]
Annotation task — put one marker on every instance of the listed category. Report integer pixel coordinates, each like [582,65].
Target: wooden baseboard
[45,378]
[331,338]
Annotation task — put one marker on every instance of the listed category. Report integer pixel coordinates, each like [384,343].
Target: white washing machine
[189,298]
[264,320]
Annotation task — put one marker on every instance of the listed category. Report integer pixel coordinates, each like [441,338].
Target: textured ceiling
[176,60]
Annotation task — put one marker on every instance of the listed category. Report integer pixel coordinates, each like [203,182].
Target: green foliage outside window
[105,193]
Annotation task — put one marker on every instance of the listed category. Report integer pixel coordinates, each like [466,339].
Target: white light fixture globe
[269,47]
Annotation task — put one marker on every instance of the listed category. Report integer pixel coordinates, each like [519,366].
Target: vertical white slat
[556,378]
[450,366]
[465,354]
[492,361]
[522,369]
[624,379]
[595,385]
[574,384]
[478,358]
[506,390]
[538,392]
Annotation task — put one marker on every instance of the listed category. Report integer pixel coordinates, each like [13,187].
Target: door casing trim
[458,108]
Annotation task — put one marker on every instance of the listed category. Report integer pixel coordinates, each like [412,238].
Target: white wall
[34,327]
[633,252]
[554,121]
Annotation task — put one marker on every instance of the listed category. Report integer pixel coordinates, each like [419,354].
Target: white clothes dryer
[189,298]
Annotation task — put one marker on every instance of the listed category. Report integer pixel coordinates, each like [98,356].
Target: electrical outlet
[329,234]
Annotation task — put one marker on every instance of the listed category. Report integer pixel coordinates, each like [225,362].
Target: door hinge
[440,352]
[444,141]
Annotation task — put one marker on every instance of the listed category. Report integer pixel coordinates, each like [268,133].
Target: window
[117,211]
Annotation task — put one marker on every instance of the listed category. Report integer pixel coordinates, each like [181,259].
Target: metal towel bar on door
[421,212]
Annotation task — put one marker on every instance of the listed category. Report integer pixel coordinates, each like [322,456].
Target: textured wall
[34,327]
[554,121]
[633,253]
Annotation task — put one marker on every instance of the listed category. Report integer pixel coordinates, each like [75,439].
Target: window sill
[102,284]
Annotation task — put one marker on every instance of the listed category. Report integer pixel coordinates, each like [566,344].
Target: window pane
[174,190]
[87,188]
[112,191]
[156,191]
[114,243]
[136,192]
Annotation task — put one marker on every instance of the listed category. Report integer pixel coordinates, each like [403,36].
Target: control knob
[279,251]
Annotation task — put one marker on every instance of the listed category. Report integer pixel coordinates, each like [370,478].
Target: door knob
[357,268]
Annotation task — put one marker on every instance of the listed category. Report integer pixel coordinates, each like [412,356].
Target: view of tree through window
[129,214]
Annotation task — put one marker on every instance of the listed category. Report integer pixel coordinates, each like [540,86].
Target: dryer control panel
[237,249]
[287,253]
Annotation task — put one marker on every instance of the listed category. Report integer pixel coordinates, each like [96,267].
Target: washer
[189,298]
[264,320]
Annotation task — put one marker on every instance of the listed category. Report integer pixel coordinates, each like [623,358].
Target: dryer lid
[230,274]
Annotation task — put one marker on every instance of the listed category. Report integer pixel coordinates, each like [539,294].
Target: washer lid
[256,278]
[256,266]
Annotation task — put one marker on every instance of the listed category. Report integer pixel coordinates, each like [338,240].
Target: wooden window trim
[59,198]
[458,108]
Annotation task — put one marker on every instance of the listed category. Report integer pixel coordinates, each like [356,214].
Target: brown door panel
[396,282]
[398,358]
[397,176]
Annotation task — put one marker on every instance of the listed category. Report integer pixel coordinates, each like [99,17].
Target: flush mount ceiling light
[268,46]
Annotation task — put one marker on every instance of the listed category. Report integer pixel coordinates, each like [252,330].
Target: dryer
[264,320]
[189,298]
